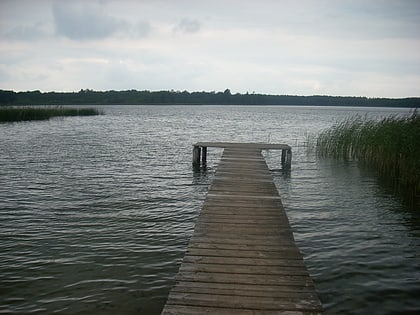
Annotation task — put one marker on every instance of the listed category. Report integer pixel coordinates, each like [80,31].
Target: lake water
[96,212]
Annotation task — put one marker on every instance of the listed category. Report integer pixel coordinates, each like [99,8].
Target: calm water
[96,212]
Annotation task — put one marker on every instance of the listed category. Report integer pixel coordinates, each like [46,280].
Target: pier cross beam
[200,151]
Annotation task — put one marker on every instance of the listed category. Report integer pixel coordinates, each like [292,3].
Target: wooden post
[196,156]
[288,162]
[204,156]
[283,157]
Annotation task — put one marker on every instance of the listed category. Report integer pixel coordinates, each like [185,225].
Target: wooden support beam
[196,156]
[283,157]
[204,156]
[288,161]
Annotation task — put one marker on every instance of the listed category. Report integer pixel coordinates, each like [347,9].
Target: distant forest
[134,97]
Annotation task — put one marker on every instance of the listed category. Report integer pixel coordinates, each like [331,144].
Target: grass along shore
[390,146]
[25,113]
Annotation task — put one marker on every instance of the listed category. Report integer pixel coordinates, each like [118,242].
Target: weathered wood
[242,258]
[270,289]
[288,160]
[243,253]
[282,239]
[204,155]
[241,152]
[300,281]
[244,290]
[244,261]
[244,146]
[237,269]
[195,310]
[196,156]
[248,247]
[256,303]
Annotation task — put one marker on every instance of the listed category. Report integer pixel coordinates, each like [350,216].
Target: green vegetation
[390,146]
[134,97]
[10,114]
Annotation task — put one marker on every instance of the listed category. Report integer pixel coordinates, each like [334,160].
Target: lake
[96,212]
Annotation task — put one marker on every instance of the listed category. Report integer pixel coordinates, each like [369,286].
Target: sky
[325,47]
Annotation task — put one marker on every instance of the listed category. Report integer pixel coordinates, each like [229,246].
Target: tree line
[134,97]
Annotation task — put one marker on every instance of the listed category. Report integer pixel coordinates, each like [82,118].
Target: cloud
[87,22]
[27,32]
[82,21]
[188,26]
[314,47]
[140,29]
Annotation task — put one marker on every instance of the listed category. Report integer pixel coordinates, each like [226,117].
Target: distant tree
[91,97]
[7,97]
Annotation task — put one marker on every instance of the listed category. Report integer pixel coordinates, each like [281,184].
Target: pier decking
[242,258]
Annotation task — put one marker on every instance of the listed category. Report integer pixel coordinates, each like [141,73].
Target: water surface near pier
[96,212]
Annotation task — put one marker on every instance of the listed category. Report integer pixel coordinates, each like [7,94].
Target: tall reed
[11,114]
[391,146]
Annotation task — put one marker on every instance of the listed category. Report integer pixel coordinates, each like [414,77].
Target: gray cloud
[140,29]
[354,47]
[188,26]
[27,32]
[85,22]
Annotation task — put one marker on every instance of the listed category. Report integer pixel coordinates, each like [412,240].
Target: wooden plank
[259,191]
[254,232]
[270,289]
[226,246]
[238,199]
[218,239]
[199,310]
[243,146]
[228,202]
[233,301]
[244,261]
[244,208]
[263,187]
[242,258]
[285,237]
[239,185]
[260,227]
[244,289]
[260,219]
[230,173]
[243,253]
[244,214]
[265,221]
[300,281]
[255,270]
[237,215]
[266,229]
[242,178]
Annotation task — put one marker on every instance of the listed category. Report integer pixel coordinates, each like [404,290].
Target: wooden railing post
[204,156]
[283,157]
[196,156]
[288,162]
[286,159]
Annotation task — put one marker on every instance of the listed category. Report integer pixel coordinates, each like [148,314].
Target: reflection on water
[96,212]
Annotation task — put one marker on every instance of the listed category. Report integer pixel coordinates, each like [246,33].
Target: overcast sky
[335,47]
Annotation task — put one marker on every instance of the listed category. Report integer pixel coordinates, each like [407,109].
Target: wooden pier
[242,258]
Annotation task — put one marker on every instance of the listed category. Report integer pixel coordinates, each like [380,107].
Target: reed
[25,113]
[390,146]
